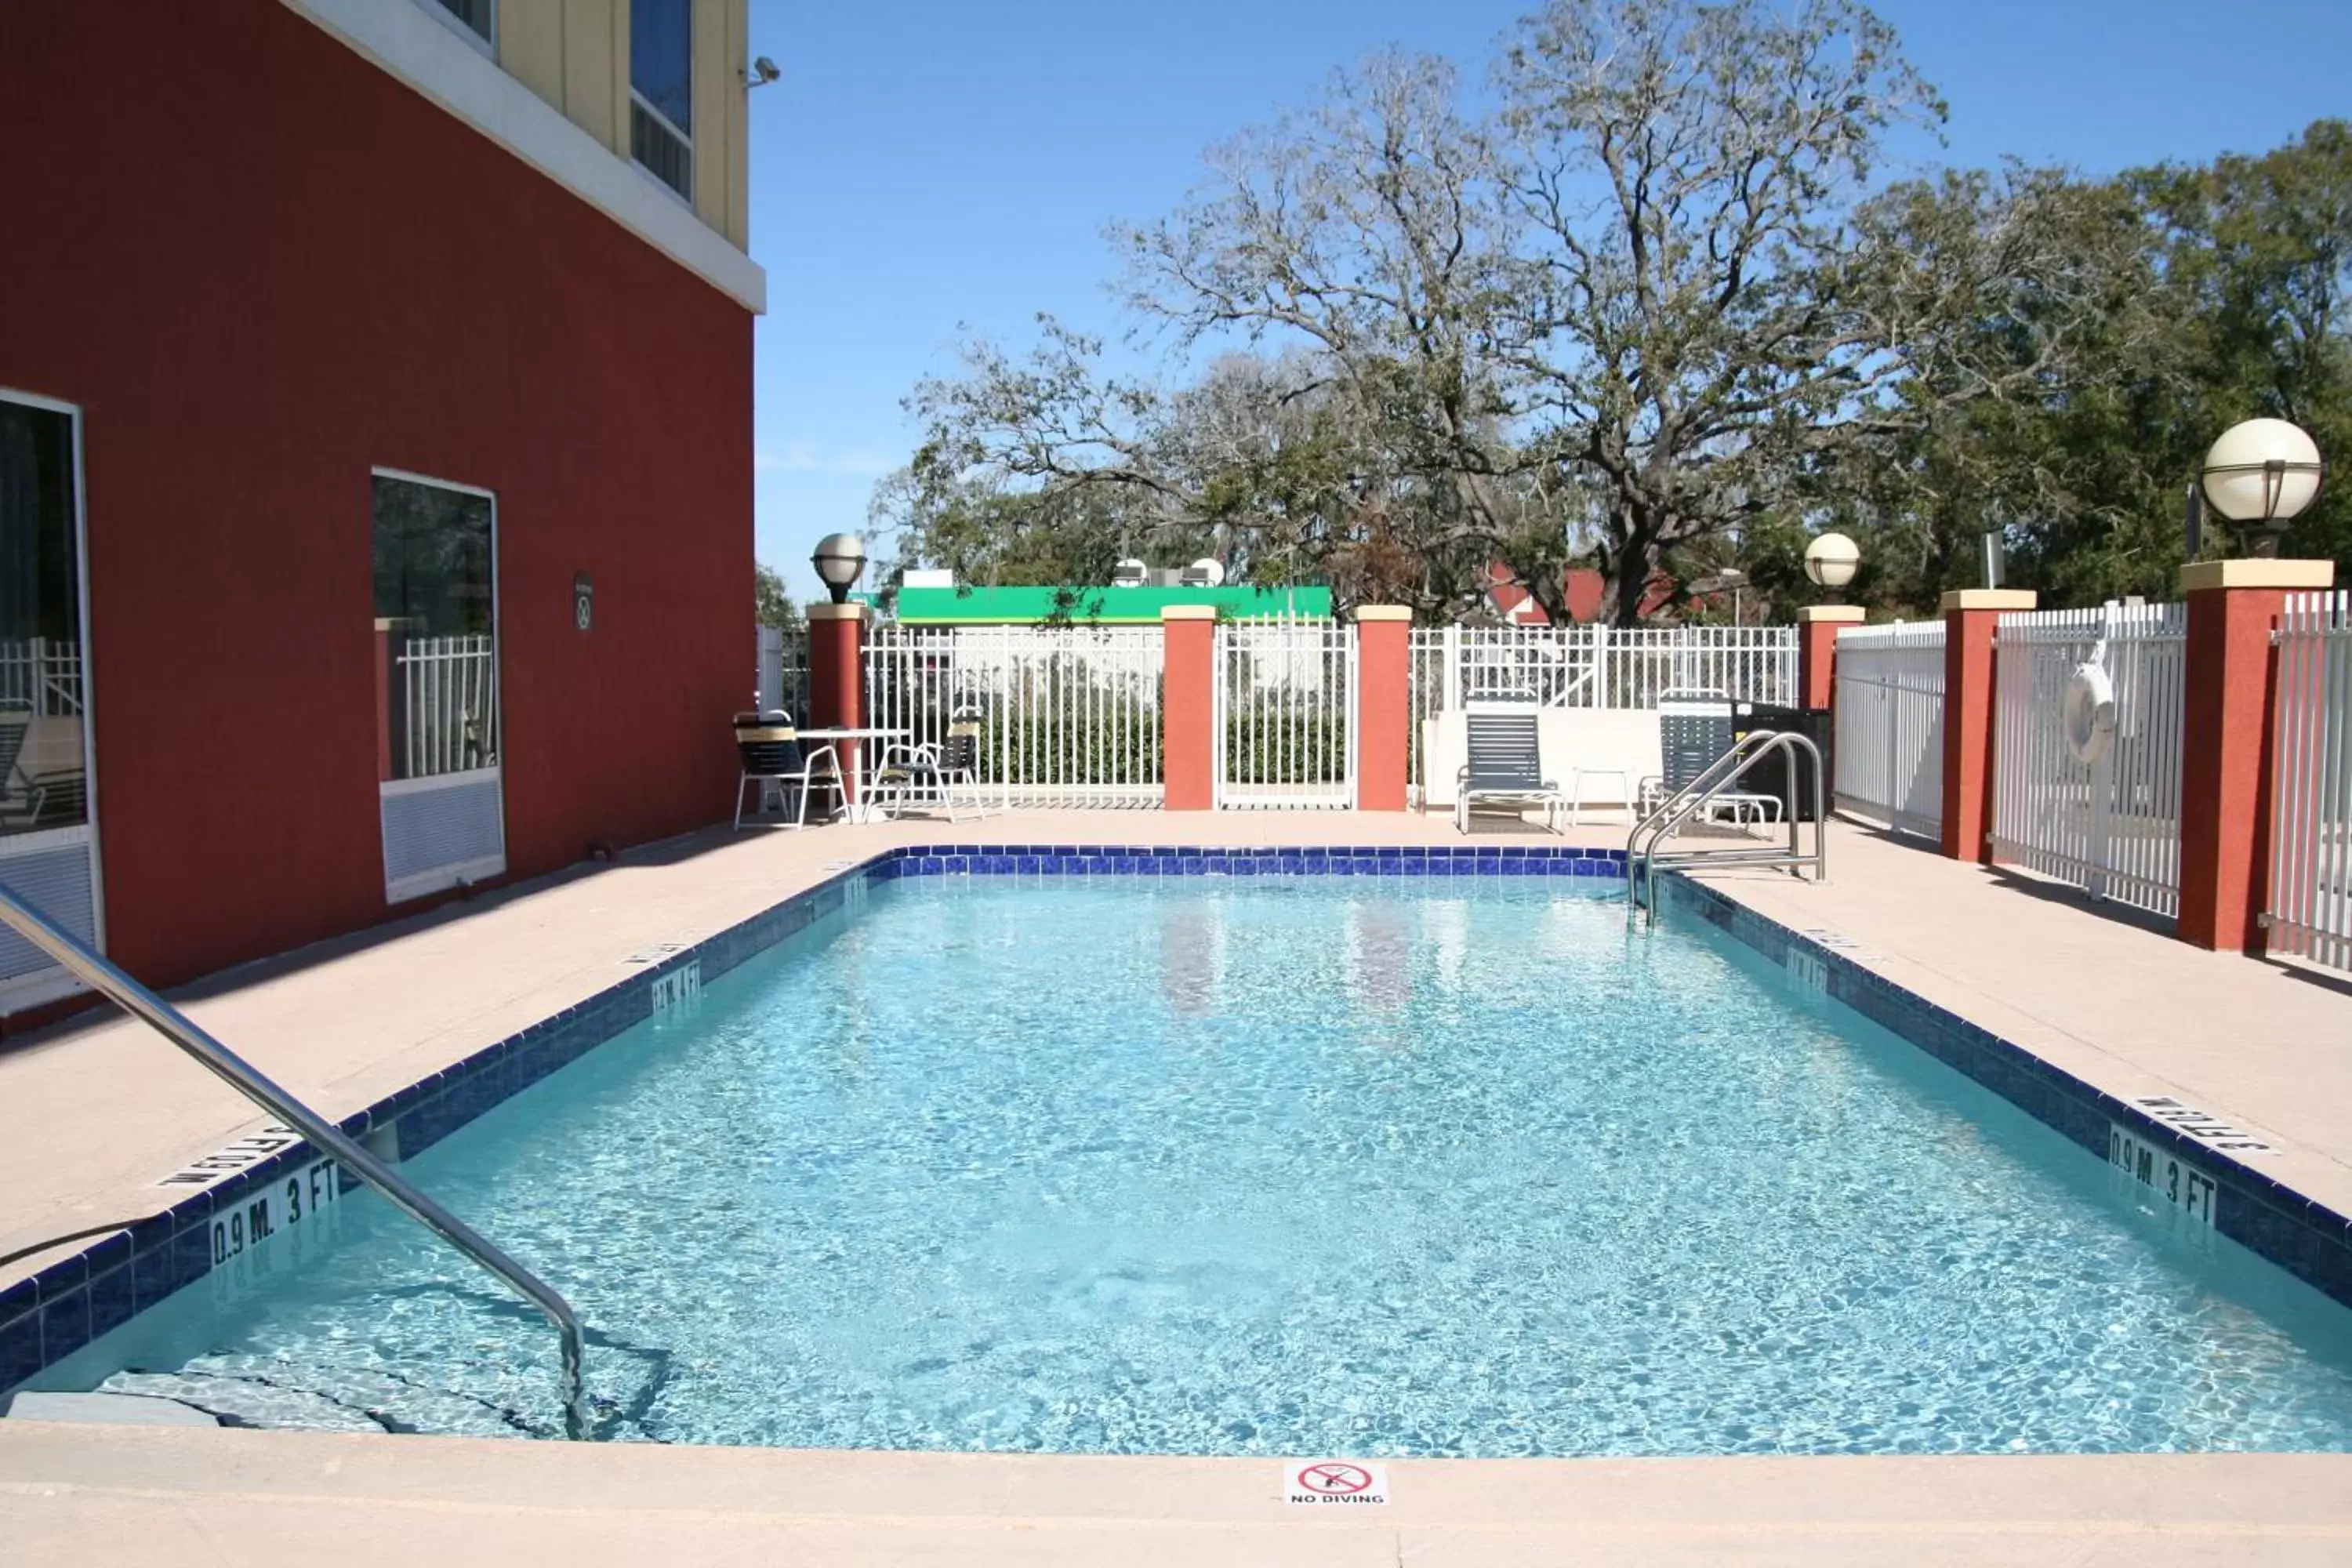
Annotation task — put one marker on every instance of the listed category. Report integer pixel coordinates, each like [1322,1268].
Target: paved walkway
[90,1116]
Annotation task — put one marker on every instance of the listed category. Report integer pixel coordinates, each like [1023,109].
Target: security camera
[763,71]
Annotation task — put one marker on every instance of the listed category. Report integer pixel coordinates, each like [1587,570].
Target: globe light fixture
[1831,560]
[2261,475]
[839,558]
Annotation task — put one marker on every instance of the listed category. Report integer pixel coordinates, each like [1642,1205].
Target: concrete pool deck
[94,1496]
[93,1114]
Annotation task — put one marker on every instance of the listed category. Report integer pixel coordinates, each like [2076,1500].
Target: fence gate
[1069,715]
[2111,826]
[1890,725]
[2309,911]
[1285,726]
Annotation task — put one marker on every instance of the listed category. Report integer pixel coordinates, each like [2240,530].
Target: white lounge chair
[1695,726]
[1506,763]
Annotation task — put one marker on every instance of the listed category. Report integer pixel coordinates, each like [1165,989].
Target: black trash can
[1787,776]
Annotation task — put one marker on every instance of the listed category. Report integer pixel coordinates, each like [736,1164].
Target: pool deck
[93,1114]
[103,1495]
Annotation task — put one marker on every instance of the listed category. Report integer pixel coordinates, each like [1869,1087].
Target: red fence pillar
[836,655]
[2226,742]
[1187,707]
[1817,630]
[1970,617]
[1383,706]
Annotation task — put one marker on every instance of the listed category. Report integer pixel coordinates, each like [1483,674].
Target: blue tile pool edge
[47,1316]
[2306,1239]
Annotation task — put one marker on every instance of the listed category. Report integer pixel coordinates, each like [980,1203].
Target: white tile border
[426,55]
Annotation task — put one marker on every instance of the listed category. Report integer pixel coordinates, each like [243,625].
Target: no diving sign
[1317,1482]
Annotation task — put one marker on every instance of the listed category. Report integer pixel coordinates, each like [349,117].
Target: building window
[476,21]
[43,759]
[437,626]
[661,90]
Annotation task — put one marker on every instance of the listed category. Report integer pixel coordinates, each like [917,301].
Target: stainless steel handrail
[321,1135]
[1704,782]
[1702,786]
[1718,777]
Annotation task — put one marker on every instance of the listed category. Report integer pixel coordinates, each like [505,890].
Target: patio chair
[929,772]
[771,755]
[1694,727]
[58,799]
[1506,763]
[18,802]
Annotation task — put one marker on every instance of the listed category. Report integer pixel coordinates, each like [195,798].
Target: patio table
[852,755]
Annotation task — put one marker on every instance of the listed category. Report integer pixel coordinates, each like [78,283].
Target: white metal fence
[447,689]
[1600,666]
[42,674]
[1594,666]
[1284,722]
[2309,908]
[1069,715]
[1890,724]
[2112,826]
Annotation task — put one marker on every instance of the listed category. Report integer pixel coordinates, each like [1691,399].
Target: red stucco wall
[261,265]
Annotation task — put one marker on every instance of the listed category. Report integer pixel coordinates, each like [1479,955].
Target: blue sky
[931,164]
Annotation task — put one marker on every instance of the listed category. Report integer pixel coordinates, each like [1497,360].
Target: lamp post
[2260,476]
[1831,560]
[838,559]
[1729,580]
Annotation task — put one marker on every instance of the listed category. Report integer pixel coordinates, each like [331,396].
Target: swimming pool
[1376,1166]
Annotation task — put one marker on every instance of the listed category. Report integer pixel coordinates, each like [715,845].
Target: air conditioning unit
[1130,574]
[1204,573]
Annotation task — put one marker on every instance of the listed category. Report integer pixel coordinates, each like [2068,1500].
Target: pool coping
[49,1315]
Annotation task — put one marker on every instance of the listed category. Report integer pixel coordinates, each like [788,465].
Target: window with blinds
[661,92]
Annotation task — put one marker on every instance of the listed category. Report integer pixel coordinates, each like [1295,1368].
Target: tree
[771,603]
[2168,304]
[1698,325]
[1659,313]
[1365,235]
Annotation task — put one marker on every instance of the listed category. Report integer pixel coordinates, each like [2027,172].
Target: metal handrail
[322,1135]
[1714,781]
[1704,782]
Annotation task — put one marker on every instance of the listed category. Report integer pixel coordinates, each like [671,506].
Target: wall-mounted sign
[584,600]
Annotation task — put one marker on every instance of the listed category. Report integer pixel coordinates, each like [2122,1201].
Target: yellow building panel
[719,94]
[531,46]
[596,68]
[738,226]
[574,55]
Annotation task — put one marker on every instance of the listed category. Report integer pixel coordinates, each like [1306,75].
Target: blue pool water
[1283,1166]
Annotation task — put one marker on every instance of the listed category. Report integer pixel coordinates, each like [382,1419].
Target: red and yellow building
[376,456]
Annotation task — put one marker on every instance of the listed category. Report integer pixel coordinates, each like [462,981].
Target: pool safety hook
[322,1135]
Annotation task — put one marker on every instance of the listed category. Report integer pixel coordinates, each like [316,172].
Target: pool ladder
[1717,780]
[319,1133]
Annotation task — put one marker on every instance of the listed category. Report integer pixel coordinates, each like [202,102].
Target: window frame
[488,47]
[442,878]
[639,102]
[86,830]
[497,627]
